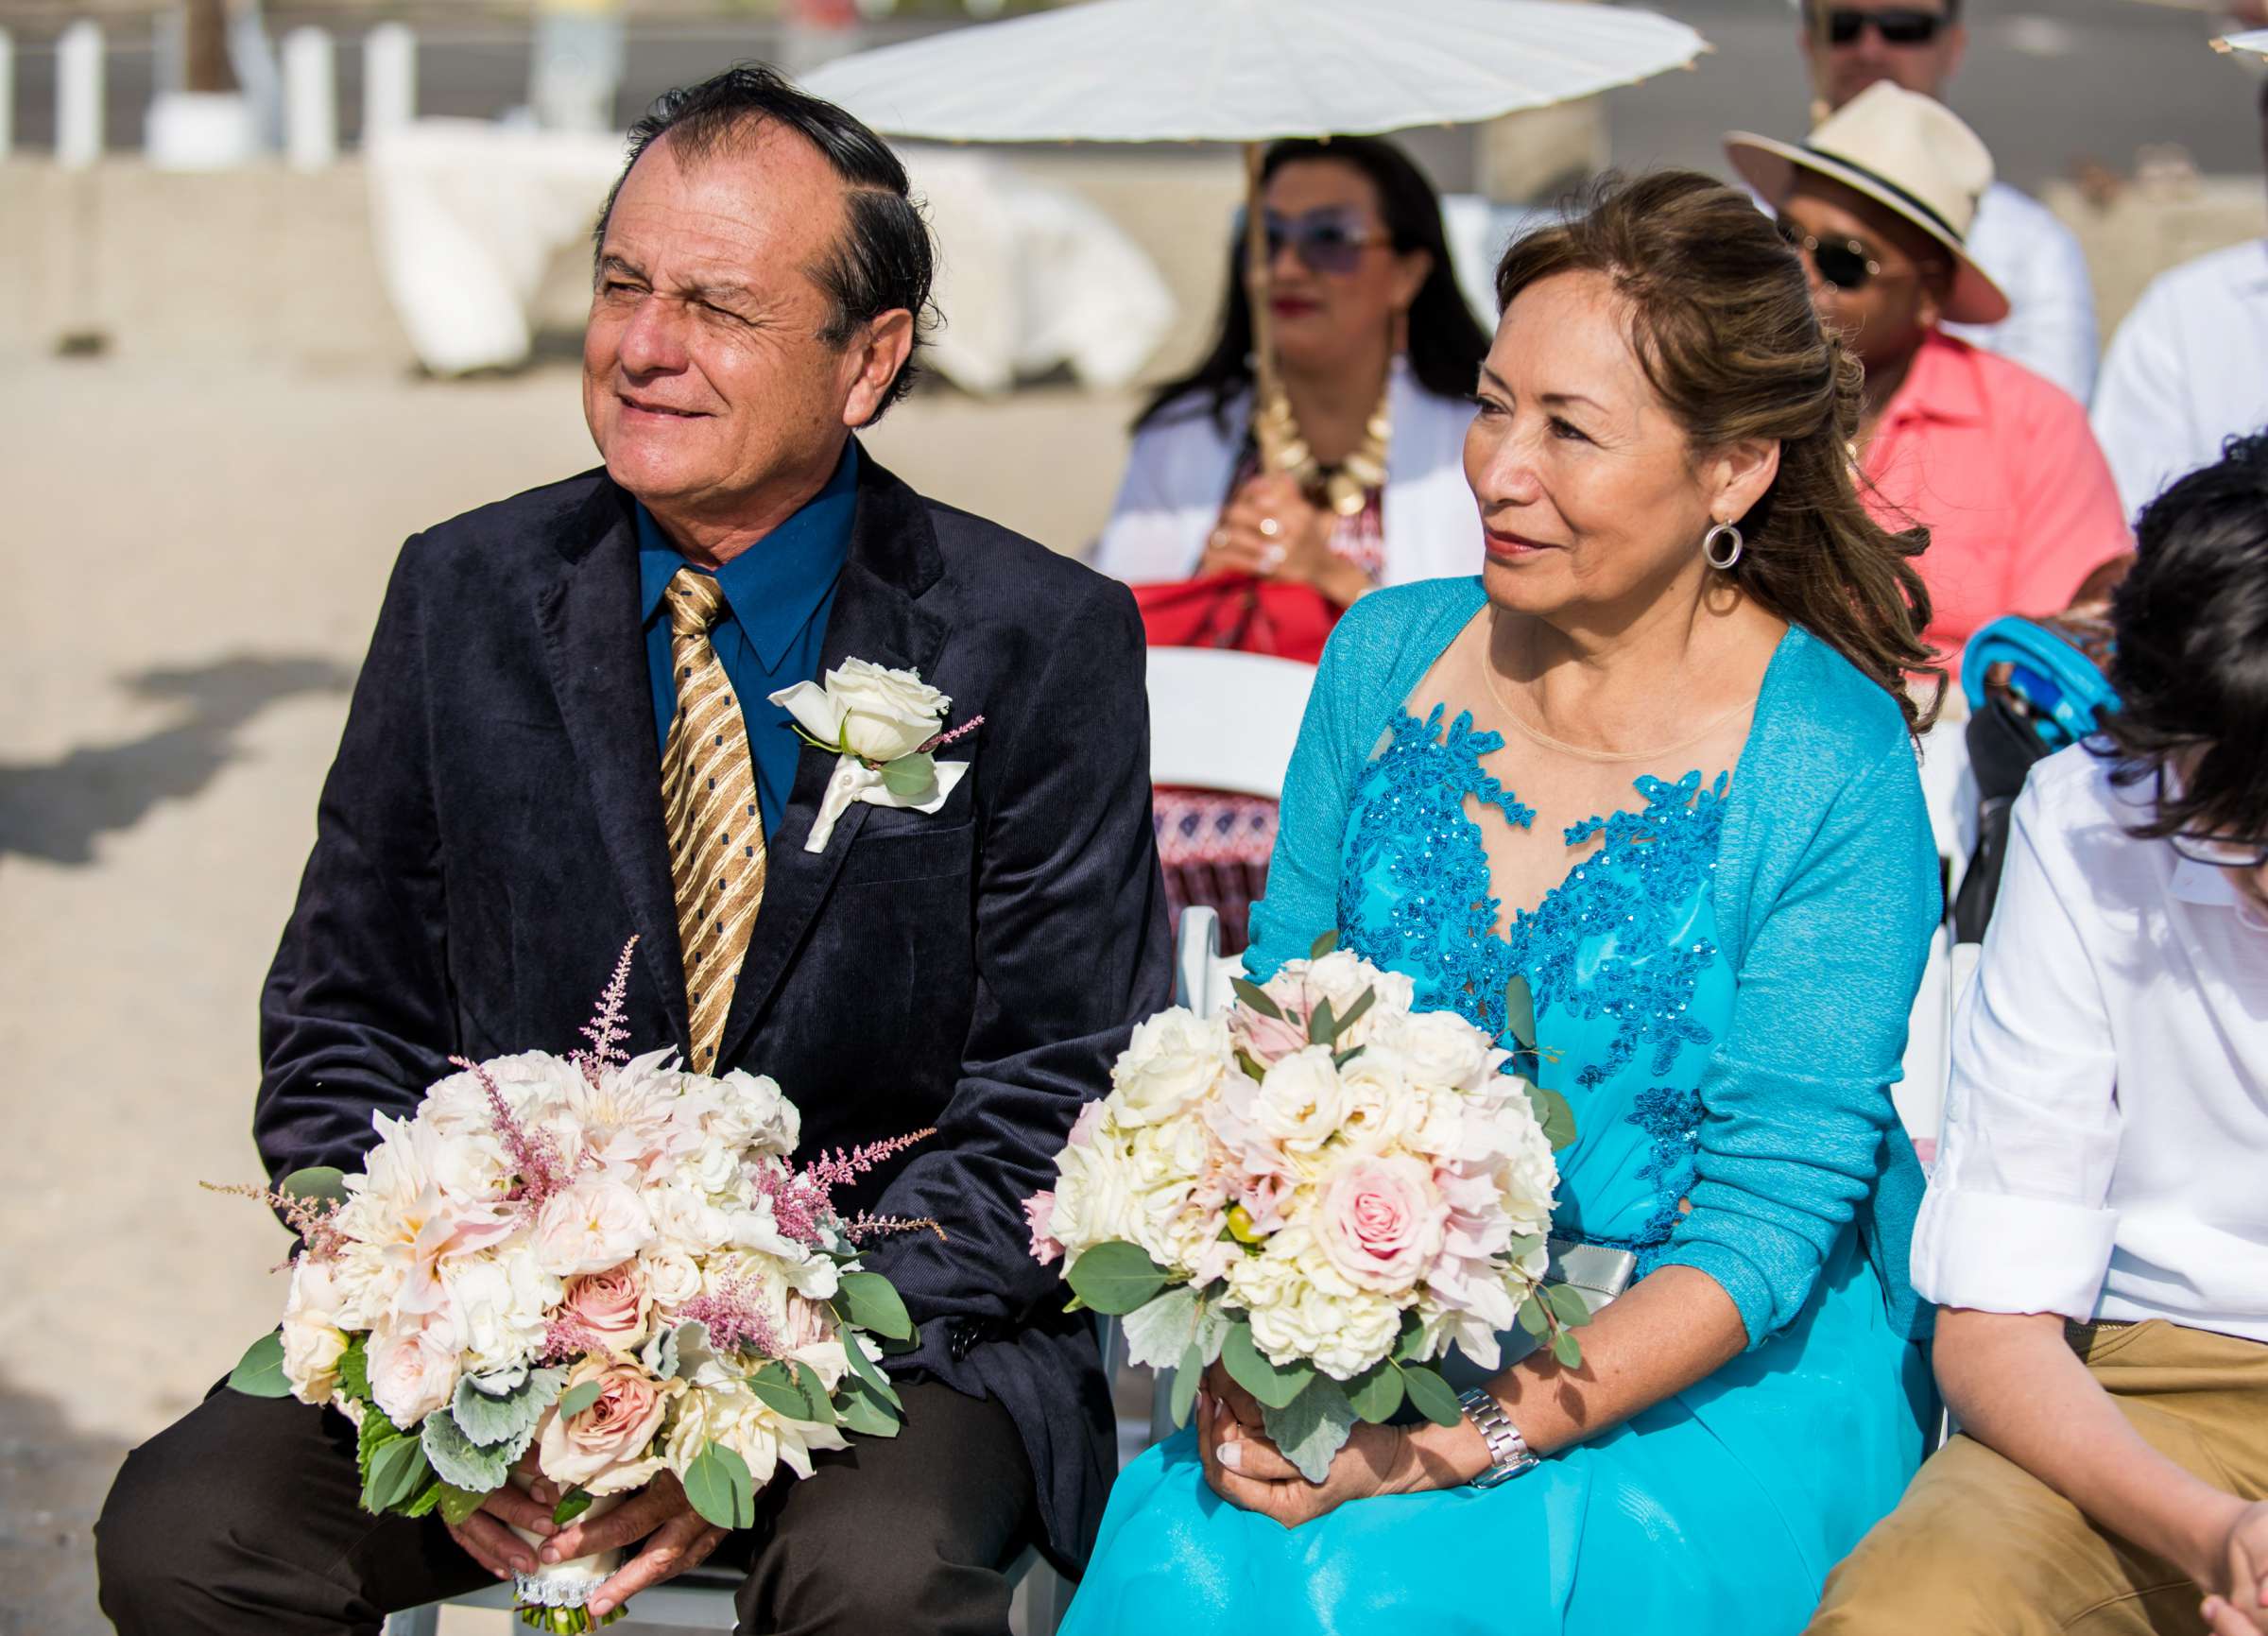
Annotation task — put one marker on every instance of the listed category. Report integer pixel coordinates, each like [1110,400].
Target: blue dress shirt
[777,595]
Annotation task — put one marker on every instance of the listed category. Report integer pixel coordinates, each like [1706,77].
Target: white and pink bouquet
[595,1268]
[1322,1189]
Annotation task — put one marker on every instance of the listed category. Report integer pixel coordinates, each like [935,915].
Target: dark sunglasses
[1843,262]
[1326,241]
[1897,27]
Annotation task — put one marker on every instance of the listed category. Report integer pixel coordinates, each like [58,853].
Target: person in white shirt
[2189,367]
[2095,1233]
[2032,257]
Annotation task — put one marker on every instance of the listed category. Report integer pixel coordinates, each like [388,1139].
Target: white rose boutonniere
[884,727]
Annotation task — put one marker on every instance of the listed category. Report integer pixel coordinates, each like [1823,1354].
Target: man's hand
[2238,1603]
[487,1534]
[676,1538]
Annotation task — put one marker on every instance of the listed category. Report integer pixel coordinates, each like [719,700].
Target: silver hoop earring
[1708,548]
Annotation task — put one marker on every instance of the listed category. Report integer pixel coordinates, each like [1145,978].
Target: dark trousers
[243,1516]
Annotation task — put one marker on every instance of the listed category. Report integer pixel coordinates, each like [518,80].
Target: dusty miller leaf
[1312,1427]
[1159,1331]
[491,1421]
[462,1462]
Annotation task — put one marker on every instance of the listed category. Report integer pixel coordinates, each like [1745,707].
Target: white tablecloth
[468,215]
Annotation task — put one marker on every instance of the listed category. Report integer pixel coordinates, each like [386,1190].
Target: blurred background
[282,283]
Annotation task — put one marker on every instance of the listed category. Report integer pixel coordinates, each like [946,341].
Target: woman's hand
[2236,1578]
[1270,530]
[1248,1471]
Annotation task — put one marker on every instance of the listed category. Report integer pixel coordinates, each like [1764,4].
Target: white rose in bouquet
[1175,1059]
[1300,1100]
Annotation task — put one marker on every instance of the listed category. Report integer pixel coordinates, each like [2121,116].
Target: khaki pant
[1979,1545]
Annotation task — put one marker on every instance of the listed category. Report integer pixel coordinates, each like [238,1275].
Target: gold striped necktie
[716,856]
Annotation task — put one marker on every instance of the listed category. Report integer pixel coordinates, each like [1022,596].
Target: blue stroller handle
[2058,680]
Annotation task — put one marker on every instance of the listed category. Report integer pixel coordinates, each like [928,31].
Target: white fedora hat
[1908,153]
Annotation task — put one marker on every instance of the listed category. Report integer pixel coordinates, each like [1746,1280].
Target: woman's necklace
[1581,752]
[1346,486]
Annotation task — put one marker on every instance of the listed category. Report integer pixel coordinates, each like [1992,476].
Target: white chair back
[1201,971]
[1224,720]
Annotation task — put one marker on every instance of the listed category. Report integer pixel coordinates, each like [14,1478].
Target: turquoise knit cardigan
[1827,892]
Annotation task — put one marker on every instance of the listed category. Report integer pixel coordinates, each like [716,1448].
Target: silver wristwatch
[1508,1453]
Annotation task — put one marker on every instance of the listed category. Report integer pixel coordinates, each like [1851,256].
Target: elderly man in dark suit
[562,737]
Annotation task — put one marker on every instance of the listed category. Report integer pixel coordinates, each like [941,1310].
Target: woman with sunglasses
[1998,464]
[2096,1231]
[1377,351]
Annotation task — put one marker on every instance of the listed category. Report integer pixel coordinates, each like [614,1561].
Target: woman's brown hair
[1722,322]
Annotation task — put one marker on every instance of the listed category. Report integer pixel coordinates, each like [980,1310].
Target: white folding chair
[1224,720]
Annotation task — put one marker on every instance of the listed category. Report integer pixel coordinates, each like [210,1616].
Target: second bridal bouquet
[1322,1189]
[594,1267]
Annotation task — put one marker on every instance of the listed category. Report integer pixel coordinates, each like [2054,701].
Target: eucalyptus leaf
[396,1471]
[868,1300]
[316,1184]
[1376,1394]
[1325,944]
[1566,1350]
[457,1503]
[1312,1427]
[575,1400]
[1322,1027]
[1410,1342]
[1566,1304]
[719,1487]
[1186,1377]
[1115,1277]
[1250,1064]
[260,1372]
[1432,1396]
[862,1409]
[1356,1011]
[1160,1330]
[1256,998]
[1554,1115]
[867,1369]
[1275,1386]
[1341,1058]
[462,1462]
[1534,1316]
[793,1391]
[491,1421]
[910,775]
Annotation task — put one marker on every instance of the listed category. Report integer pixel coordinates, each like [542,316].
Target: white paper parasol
[1249,71]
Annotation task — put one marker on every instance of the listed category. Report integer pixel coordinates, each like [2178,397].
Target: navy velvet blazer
[490,836]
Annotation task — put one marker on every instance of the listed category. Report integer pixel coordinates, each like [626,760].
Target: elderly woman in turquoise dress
[1656,758]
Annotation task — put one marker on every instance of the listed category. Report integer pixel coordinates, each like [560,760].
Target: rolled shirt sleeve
[2016,1218]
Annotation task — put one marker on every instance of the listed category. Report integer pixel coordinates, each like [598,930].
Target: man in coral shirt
[1997,463]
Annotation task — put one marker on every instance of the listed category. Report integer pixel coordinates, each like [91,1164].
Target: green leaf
[260,1372]
[1566,1304]
[457,1503]
[354,1371]
[1568,1349]
[862,1409]
[505,1417]
[1250,1064]
[867,1369]
[1534,1316]
[794,1391]
[1343,1058]
[1312,1427]
[1432,1396]
[1186,1377]
[910,775]
[1160,1331]
[575,1400]
[571,1505]
[1322,1029]
[1520,1013]
[1410,1342]
[397,1469]
[870,1301]
[1256,998]
[1116,1277]
[316,1184]
[718,1486]
[461,1462]
[425,1499]
[1323,945]
[1275,1386]
[1355,1011]
[1376,1394]
[1554,1115]
[1521,1244]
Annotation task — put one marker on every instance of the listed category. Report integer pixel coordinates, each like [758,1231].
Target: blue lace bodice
[1631,990]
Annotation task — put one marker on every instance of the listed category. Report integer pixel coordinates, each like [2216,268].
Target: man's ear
[876,353]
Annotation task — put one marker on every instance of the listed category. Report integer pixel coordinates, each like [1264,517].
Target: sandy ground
[191,573]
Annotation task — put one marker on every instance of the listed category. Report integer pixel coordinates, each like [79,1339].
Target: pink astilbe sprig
[568,1336]
[939,741]
[606,1030]
[803,1204]
[533,1155]
[733,1314]
[313,1219]
[840,1168]
[865,1225]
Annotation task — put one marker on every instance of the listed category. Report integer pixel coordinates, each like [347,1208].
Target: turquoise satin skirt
[1718,1511]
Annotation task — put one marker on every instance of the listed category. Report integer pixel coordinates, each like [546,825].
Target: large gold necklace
[1347,487]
